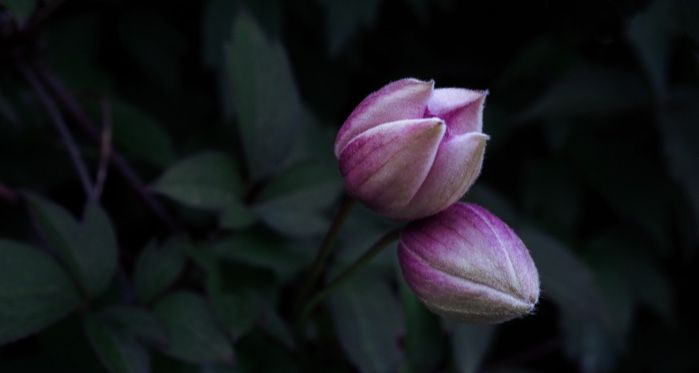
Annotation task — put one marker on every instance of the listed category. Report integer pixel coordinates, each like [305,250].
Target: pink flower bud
[409,151]
[466,264]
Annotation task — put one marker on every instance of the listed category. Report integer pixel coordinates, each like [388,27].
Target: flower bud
[409,151]
[466,264]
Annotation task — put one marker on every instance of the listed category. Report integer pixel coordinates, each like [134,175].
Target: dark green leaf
[136,322]
[273,324]
[20,9]
[344,18]
[194,334]
[565,279]
[423,338]
[139,135]
[469,345]
[651,32]
[263,251]
[34,291]
[236,216]
[680,136]
[209,180]
[237,312]
[118,352]
[590,91]
[139,32]
[295,202]
[158,267]
[368,323]
[89,248]
[267,103]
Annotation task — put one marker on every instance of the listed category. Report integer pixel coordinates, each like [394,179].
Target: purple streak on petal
[456,167]
[385,165]
[461,109]
[523,268]
[456,297]
[466,263]
[402,99]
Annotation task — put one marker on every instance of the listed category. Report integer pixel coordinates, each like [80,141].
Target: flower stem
[64,132]
[325,249]
[376,248]
[65,98]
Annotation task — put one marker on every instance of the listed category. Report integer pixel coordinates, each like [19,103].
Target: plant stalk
[325,249]
[374,250]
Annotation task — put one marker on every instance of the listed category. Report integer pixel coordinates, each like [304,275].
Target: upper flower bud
[466,264]
[409,151]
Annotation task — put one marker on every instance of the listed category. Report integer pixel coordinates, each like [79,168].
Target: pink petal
[385,165]
[402,99]
[456,167]
[461,109]
[467,264]
[455,297]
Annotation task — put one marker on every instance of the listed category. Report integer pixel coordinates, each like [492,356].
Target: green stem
[325,250]
[376,248]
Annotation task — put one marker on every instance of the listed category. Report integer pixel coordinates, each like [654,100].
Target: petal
[385,165]
[469,242]
[525,274]
[456,297]
[402,99]
[456,167]
[461,109]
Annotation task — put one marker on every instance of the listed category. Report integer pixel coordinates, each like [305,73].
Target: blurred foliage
[219,118]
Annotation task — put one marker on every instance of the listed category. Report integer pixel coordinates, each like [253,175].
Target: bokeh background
[206,131]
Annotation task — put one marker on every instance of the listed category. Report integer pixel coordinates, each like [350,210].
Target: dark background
[593,115]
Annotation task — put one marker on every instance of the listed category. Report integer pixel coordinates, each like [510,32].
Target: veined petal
[465,263]
[461,109]
[402,99]
[456,167]
[455,297]
[385,165]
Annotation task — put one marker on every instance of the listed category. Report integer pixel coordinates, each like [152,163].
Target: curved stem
[376,248]
[73,108]
[325,249]
[64,132]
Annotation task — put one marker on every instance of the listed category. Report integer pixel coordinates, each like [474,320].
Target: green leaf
[236,216]
[295,203]
[262,251]
[368,323]
[194,333]
[20,9]
[267,103]
[89,248]
[651,33]
[136,322]
[345,18]
[423,338]
[139,135]
[590,91]
[565,279]
[273,324]
[118,352]
[469,345]
[72,49]
[237,312]
[208,180]
[34,291]
[552,192]
[680,134]
[158,267]
[139,32]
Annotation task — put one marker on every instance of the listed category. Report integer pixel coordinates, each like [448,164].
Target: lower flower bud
[466,264]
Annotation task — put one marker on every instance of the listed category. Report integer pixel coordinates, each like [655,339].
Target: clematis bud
[409,151]
[466,264]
